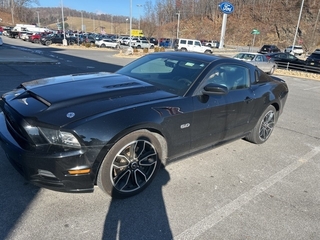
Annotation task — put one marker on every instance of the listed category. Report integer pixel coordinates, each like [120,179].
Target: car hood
[65,99]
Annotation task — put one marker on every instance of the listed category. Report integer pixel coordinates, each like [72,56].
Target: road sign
[255,31]
[226,7]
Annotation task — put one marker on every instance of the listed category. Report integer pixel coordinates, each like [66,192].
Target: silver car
[258,60]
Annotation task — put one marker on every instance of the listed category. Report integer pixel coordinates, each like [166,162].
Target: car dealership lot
[237,191]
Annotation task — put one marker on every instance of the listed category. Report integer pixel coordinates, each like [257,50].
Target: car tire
[264,127]
[131,164]
[47,43]
[208,52]
[103,46]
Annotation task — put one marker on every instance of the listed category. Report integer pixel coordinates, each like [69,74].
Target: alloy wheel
[267,125]
[133,166]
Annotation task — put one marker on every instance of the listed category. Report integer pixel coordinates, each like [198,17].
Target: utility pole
[295,35]
[139,5]
[178,13]
[12,10]
[38,19]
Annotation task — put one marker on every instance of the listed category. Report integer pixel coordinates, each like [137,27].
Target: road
[237,191]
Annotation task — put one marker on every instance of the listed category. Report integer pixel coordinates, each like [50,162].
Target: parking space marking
[211,220]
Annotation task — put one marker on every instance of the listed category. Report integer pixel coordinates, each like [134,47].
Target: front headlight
[40,135]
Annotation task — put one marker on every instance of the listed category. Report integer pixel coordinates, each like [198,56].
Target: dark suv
[269,49]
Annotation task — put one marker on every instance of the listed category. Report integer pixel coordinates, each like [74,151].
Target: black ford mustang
[73,132]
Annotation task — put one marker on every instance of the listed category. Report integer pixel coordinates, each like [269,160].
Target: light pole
[111,24]
[130,23]
[178,13]
[139,5]
[38,19]
[127,25]
[64,41]
[295,35]
[81,21]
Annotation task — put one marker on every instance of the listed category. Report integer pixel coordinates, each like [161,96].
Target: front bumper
[49,169]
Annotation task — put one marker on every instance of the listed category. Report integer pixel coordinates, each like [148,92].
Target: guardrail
[298,67]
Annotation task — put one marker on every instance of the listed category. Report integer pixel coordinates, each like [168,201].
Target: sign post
[254,33]
[226,8]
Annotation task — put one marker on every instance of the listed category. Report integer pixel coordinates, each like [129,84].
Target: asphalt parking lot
[235,192]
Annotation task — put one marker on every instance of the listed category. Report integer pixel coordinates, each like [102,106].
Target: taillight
[268,57]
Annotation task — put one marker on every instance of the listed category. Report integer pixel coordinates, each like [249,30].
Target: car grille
[14,124]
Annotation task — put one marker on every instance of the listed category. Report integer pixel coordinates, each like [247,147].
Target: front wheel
[131,164]
[264,127]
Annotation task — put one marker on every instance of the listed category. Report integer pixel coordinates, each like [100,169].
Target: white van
[190,45]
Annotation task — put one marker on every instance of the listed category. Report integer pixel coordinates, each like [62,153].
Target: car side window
[231,76]
[196,43]
[190,42]
[259,59]
[237,77]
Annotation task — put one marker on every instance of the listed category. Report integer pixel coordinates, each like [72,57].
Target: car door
[240,100]
[210,115]
[197,47]
[260,63]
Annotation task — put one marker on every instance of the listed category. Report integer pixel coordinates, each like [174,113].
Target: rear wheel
[103,46]
[47,43]
[131,164]
[264,126]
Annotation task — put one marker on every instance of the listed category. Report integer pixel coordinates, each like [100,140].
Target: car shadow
[143,216]
[16,194]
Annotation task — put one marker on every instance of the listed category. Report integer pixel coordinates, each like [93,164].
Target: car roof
[210,58]
[253,53]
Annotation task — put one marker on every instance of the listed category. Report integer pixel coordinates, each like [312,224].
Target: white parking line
[211,220]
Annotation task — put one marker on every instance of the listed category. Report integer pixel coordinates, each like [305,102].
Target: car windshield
[245,56]
[174,74]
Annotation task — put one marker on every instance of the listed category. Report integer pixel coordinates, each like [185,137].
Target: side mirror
[215,89]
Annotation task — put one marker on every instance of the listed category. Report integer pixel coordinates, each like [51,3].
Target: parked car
[35,37]
[127,41]
[165,42]
[1,42]
[259,60]
[211,43]
[57,38]
[287,61]
[143,44]
[190,45]
[25,36]
[296,50]
[71,132]
[154,41]
[269,49]
[107,43]
[313,62]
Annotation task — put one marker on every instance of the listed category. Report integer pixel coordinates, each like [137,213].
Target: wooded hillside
[201,19]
